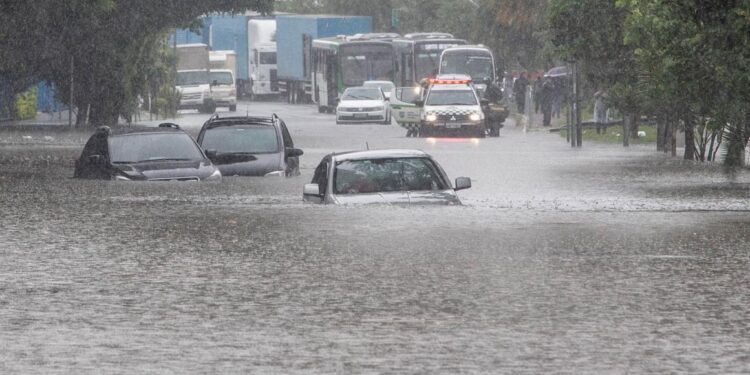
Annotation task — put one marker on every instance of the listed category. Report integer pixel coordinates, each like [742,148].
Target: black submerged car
[153,154]
[250,146]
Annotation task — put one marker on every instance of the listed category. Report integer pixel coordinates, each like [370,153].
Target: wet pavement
[599,260]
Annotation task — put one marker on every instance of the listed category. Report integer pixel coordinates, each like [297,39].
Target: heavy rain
[184,201]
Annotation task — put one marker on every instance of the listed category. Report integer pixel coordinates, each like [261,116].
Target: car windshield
[451,97]
[387,175]
[362,94]
[260,139]
[221,78]
[385,86]
[135,148]
[192,78]
[477,64]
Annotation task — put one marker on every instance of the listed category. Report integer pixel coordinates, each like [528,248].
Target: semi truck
[294,44]
[235,32]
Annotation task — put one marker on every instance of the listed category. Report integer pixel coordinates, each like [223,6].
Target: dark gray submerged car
[250,146]
[405,177]
[165,153]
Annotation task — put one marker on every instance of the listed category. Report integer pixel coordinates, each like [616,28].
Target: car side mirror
[312,190]
[211,154]
[293,152]
[463,183]
[419,103]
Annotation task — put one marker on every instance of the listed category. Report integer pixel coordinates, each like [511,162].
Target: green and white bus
[418,56]
[348,61]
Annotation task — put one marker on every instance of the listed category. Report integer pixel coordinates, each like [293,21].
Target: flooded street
[598,260]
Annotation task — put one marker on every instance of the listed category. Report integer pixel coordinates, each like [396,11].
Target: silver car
[382,176]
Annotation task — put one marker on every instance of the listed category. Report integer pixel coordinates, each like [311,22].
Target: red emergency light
[435,81]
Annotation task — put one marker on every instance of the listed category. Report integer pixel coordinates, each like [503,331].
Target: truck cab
[264,72]
[194,88]
[223,88]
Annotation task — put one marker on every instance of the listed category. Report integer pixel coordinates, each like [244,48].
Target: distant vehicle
[409,177]
[165,153]
[250,146]
[263,67]
[294,38]
[418,55]
[362,105]
[342,62]
[386,86]
[476,61]
[452,106]
[404,109]
[193,81]
[223,89]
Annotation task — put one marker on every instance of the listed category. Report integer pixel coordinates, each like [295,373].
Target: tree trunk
[626,119]
[661,134]
[635,124]
[689,137]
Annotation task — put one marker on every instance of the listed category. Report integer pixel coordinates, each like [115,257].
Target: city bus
[418,56]
[348,61]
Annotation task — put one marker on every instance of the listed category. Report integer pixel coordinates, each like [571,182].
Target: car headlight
[475,117]
[276,174]
[120,177]
[216,176]
[431,117]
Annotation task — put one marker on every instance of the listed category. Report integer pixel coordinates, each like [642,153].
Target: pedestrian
[547,97]
[519,91]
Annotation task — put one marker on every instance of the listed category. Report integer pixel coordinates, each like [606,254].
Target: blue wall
[229,32]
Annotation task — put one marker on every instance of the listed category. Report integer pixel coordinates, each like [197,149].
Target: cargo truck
[294,44]
[222,78]
[193,81]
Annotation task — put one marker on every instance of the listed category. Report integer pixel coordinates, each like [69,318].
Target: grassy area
[614,135]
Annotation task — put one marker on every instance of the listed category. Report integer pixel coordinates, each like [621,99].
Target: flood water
[594,261]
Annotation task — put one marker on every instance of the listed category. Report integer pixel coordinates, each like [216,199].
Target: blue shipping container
[289,35]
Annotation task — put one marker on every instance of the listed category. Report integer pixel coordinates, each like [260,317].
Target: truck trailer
[294,40]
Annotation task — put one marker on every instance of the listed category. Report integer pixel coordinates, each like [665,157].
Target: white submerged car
[402,177]
[363,105]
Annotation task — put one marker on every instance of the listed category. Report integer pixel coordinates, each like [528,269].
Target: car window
[387,175]
[134,148]
[259,139]
[451,97]
[408,94]
[362,94]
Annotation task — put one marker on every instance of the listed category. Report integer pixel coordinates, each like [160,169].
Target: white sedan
[363,105]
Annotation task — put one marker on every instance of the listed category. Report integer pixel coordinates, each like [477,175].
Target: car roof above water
[379,154]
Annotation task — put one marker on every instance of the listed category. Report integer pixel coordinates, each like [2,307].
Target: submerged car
[165,153]
[409,177]
[363,105]
[250,146]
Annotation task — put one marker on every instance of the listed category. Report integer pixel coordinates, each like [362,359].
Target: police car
[452,106]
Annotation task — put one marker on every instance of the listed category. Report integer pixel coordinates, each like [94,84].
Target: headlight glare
[216,176]
[431,117]
[276,174]
[475,117]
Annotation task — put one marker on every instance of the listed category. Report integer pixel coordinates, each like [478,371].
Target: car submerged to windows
[250,146]
[363,105]
[165,153]
[402,177]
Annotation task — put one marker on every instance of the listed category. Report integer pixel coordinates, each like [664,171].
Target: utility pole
[70,104]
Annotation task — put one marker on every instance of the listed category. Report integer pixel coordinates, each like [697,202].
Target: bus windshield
[360,63]
[475,63]
[427,58]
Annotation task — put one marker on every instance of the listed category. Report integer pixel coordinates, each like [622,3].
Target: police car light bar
[435,81]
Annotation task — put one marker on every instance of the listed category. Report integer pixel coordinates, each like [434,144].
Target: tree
[109,44]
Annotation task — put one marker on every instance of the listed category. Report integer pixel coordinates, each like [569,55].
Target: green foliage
[26,105]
